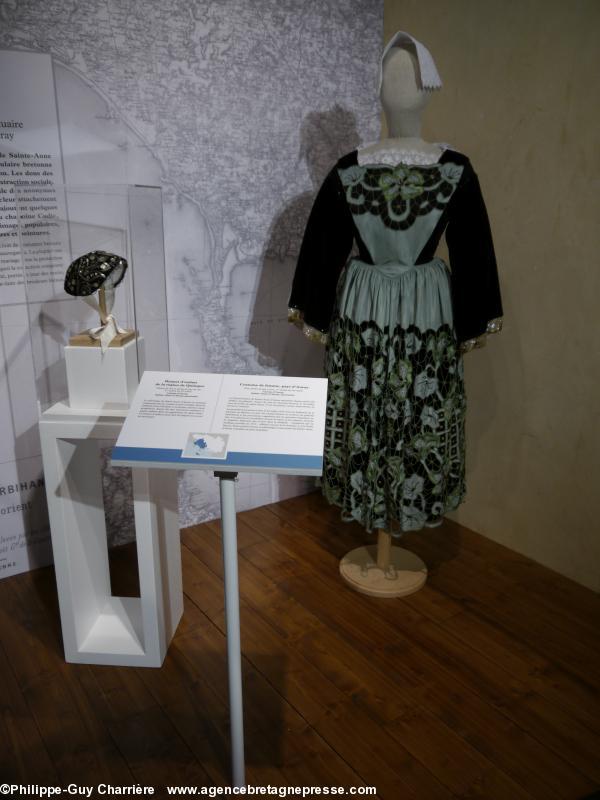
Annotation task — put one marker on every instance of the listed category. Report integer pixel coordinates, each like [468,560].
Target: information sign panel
[228,423]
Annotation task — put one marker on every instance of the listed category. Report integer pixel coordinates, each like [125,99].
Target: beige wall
[520,99]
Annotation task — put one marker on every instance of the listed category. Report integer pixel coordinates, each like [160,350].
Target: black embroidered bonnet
[89,272]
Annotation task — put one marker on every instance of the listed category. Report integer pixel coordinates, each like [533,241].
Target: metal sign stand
[258,446]
[232,617]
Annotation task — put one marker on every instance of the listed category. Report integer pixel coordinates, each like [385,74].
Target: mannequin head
[407,76]
[401,87]
[403,97]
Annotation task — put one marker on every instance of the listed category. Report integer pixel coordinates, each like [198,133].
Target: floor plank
[20,739]
[484,684]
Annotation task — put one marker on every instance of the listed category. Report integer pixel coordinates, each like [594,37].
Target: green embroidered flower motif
[412,344]
[373,470]
[450,406]
[451,172]
[425,383]
[337,390]
[391,409]
[413,518]
[396,474]
[413,487]
[380,509]
[403,181]
[413,185]
[429,417]
[358,440]
[438,345]
[357,481]
[352,175]
[436,484]
[336,456]
[350,344]
[389,185]
[378,370]
[377,377]
[390,182]
[423,444]
[405,371]
[400,380]
[359,378]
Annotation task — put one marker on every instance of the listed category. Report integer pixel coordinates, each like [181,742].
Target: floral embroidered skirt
[394,437]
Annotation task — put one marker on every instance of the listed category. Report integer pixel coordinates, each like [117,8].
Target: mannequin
[384,570]
[396,320]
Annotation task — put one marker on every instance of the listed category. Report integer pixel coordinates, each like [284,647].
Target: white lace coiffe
[430,77]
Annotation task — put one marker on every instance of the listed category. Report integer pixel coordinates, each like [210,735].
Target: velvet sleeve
[325,248]
[477,305]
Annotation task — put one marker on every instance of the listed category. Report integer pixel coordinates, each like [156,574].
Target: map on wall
[238,111]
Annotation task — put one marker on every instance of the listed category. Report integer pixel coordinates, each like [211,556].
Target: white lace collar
[399,155]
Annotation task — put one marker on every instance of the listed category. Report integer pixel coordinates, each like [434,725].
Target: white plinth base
[117,630]
[99,628]
[103,380]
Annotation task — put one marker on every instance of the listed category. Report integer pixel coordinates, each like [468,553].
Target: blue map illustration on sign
[206,445]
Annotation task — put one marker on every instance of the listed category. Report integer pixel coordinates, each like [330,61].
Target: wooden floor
[484,684]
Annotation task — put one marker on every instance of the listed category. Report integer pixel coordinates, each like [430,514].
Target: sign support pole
[232,616]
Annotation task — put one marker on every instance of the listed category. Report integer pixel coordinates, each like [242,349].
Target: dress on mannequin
[395,317]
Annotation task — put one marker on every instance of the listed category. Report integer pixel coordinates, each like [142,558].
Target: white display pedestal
[103,380]
[97,627]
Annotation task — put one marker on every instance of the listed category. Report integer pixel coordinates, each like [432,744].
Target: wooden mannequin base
[405,574]
[85,340]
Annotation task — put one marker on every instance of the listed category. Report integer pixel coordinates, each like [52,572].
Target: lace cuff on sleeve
[493,326]
[296,317]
